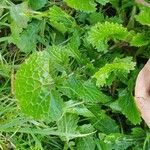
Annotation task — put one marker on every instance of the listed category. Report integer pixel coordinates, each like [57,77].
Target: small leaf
[139,40]
[77,108]
[103,2]
[144,16]
[20,14]
[56,106]
[25,40]
[102,122]
[128,106]
[83,5]
[86,143]
[68,126]
[37,4]
[60,20]
[116,141]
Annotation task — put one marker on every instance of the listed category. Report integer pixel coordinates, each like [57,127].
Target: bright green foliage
[139,40]
[119,67]
[83,5]
[101,33]
[37,4]
[60,20]
[67,74]
[144,16]
[19,14]
[33,86]
[128,107]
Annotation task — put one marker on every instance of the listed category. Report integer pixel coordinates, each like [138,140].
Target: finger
[144,107]
[142,85]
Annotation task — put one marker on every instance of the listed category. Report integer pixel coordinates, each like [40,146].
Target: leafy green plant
[67,74]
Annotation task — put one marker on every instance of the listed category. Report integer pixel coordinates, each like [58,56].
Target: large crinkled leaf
[26,40]
[83,5]
[144,16]
[19,14]
[33,87]
[101,33]
[37,4]
[87,91]
[119,67]
[128,106]
[60,20]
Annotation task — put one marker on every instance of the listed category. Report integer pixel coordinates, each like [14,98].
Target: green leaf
[60,20]
[73,46]
[69,129]
[102,122]
[119,67]
[37,4]
[68,126]
[78,108]
[33,86]
[27,39]
[87,91]
[128,106]
[138,132]
[95,17]
[139,40]
[144,16]
[56,106]
[116,141]
[5,69]
[86,143]
[103,2]
[20,14]
[59,55]
[101,33]
[82,5]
